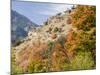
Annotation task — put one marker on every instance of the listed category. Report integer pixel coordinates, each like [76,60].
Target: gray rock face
[20,26]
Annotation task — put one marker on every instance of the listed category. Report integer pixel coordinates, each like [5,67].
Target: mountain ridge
[20,26]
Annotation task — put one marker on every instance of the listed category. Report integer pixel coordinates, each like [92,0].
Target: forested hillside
[66,41]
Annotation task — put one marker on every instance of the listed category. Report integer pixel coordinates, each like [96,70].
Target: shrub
[59,14]
[46,23]
[54,35]
[36,66]
[83,60]
[60,30]
[18,42]
[63,25]
[16,70]
[73,7]
[69,11]
[84,17]
[55,29]
[49,30]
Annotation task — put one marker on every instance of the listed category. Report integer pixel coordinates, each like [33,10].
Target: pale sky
[38,12]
